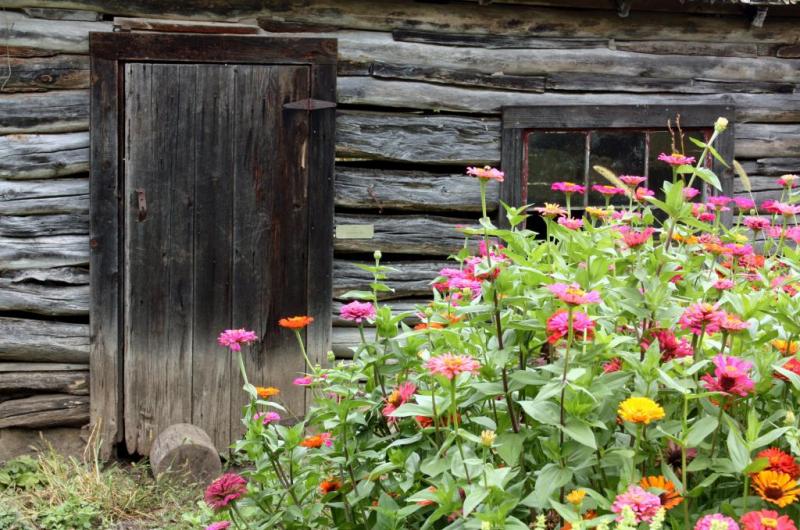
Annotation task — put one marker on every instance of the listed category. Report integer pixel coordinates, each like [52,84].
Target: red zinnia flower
[327,486]
[225,490]
[780,461]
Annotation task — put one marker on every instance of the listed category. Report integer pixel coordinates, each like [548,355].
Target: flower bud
[377,255]
[721,124]
[487,438]
[789,419]
[331,356]
[486,525]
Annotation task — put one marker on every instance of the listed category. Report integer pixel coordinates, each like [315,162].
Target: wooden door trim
[108,53]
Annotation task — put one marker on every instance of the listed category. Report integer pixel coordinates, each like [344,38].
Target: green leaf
[476,496]
[509,447]
[581,433]
[671,383]
[740,455]
[545,412]
[709,177]
[700,430]
[759,464]
[412,409]
[768,438]
[711,150]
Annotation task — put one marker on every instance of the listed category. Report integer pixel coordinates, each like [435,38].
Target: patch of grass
[59,493]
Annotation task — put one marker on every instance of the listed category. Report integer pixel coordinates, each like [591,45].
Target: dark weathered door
[223,191]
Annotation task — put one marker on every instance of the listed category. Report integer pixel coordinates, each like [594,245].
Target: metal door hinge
[309,104]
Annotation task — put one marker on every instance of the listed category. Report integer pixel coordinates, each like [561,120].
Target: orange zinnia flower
[780,461]
[295,322]
[317,440]
[266,392]
[784,347]
[432,325]
[669,497]
[329,485]
[776,487]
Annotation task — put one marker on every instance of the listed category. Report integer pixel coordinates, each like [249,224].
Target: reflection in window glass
[661,142]
[554,157]
[623,152]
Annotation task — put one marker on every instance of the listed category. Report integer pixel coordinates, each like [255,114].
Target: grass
[53,492]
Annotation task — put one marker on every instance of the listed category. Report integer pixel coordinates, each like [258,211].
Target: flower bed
[634,367]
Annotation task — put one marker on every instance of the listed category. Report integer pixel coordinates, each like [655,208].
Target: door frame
[108,54]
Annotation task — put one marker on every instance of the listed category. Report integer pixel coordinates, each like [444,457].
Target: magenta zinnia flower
[572,294]
[670,346]
[450,366]
[303,381]
[220,525]
[756,224]
[400,395]
[234,338]
[719,201]
[633,238]
[608,191]
[704,523]
[644,504]
[731,376]
[690,193]
[226,489]
[570,222]
[767,520]
[676,159]
[743,203]
[702,316]
[357,311]
[632,180]
[558,326]
[724,284]
[568,187]
[486,173]
[733,323]
[266,417]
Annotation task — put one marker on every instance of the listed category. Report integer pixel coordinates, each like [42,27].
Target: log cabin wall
[420,91]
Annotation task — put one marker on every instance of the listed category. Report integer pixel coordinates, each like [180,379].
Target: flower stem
[684,481]
[303,350]
[562,419]
[716,431]
[454,416]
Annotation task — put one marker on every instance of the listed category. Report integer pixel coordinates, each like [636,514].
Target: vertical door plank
[213,218]
[270,226]
[160,114]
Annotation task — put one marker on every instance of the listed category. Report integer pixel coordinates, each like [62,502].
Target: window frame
[518,121]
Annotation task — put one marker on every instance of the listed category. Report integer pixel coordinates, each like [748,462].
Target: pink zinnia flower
[220,525]
[571,223]
[358,312]
[568,187]
[724,284]
[614,365]
[719,202]
[756,224]
[733,323]
[632,180]
[644,504]
[234,338]
[702,316]
[767,520]
[558,326]
[788,181]
[690,193]
[743,203]
[634,239]
[704,523]
[794,234]
[399,396]
[266,417]
[450,366]
[676,159]
[739,249]
[572,294]
[642,193]
[303,381]
[550,210]
[606,190]
[226,489]
[780,208]
[486,173]
[670,346]
[731,376]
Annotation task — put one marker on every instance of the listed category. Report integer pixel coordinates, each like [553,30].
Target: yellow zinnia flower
[576,496]
[640,410]
[776,487]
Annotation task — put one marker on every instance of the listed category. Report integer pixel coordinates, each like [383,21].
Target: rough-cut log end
[186,451]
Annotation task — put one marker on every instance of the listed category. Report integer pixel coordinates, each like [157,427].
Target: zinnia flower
[780,461]
[329,485]
[767,520]
[690,193]
[724,284]
[400,395]
[572,223]
[486,173]
[558,326]
[632,180]
[266,392]
[669,497]
[234,338]
[676,159]
[702,317]
[550,210]
[357,311]
[303,381]
[788,181]
[600,213]
[634,239]
[733,323]
[266,417]
[784,347]
[608,191]
[644,504]
[643,193]
[568,187]
[756,224]
[793,365]
[219,525]
[640,410]
[705,522]
[295,322]
[572,294]
[743,203]
[775,487]
[719,201]
[731,376]
[614,365]
[673,456]
[226,489]
[450,366]
[576,496]
[317,440]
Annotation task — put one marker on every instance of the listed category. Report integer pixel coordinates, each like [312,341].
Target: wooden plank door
[223,204]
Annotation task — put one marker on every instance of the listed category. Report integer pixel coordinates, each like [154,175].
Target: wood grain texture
[34,156]
[44,225]
[51,300]
[51,276]
[52,196]
[37,252]
[379,189]
[62,14]
[424,235]
[63,382]
[409,279]
[464,77]
[66,36]
[756,140]
[45,411]
[186,453]
[48,112]
[55,72]
[43,367]
[26,340]
[183,26]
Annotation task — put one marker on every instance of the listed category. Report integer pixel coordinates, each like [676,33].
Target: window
[546,144]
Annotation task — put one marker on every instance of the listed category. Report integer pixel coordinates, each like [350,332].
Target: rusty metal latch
[309,104]
[141,199]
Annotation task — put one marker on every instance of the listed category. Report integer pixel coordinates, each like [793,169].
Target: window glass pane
[554,157]
[623,152]
[661,142]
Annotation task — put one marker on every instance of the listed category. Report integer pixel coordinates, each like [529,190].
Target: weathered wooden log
[379,189]
[56,275]
[757,183]
[791,51]
[57,111]
[43,252]
[427,96]
[343,340]
[44,225]
[45,411]
[183,26]
[26,340]
[62,14]
[57,72]
[754,140]
[184,451]
[423,139]
[31,156]
[405,305]
[40,299]
[425,235]
[43,367]
[411,278]
[569,82]
[63,382]
[64,36]
[778,166]
[51,196]
[459,77]
[527,20]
